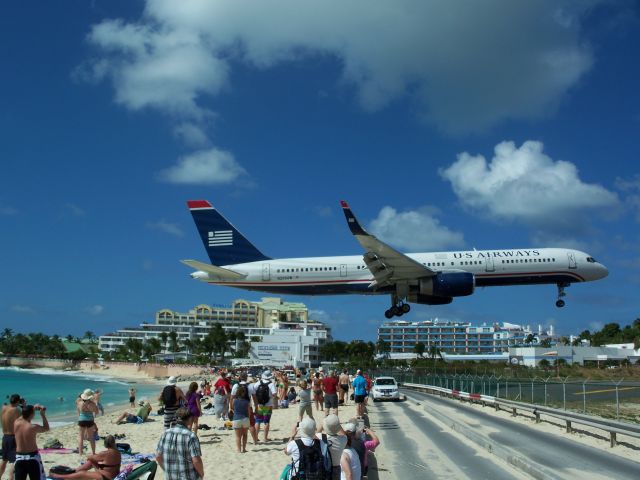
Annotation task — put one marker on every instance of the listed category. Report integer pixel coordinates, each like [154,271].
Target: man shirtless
[9,415]
[343,381]
[28,461]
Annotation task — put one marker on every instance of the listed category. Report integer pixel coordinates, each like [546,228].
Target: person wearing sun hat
[306,430]
[263,392]
[333,435]
[87,409]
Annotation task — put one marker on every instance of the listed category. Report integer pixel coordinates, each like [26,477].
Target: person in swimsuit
[193,404]
[10,413]
[343,381]
[317,392]
[28,461]
[87,410]
[105,463]
[132,397]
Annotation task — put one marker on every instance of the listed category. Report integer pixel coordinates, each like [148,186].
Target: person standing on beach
[171,397]
[87,410]
[263,392]
[222,390]
[359,393]
[28,461]
[178,452]
[330,392]
[10,413]
[132,397]
[193,403]
[343,380]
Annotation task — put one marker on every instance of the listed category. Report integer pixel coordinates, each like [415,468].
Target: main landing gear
[561,286]
[397,309]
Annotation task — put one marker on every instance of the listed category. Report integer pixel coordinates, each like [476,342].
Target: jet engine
[447,284]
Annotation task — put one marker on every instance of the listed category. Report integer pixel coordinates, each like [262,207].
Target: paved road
[565,457]
[418,447]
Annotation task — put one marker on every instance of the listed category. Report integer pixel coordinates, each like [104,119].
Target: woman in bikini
[87,409]
[106,464]
[318,398]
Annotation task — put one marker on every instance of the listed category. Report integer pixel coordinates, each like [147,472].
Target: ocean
[57,390]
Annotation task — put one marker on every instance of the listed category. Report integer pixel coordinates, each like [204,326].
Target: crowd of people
[245,402]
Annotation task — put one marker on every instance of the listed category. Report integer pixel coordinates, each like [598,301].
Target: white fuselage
[349,274]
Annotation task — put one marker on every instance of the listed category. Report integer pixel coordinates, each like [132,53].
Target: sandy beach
[218,444]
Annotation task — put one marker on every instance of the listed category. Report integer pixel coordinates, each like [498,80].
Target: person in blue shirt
[359,393]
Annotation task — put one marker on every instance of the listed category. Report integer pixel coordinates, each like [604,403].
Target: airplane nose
[604,272]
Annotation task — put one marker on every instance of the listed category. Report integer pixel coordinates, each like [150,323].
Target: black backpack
[312,463]
[263,394]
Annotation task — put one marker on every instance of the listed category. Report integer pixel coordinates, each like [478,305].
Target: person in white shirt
[307,431]
[350,463]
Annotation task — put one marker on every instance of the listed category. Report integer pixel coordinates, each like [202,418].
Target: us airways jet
[432,278]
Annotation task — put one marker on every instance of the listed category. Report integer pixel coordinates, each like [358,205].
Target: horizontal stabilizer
[214,270]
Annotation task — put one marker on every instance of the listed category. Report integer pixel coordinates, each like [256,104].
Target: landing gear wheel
[560,303]
[561,293]
[406,308]
[395,311]
[388,313]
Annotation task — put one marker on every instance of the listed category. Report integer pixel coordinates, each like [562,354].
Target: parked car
[385,388]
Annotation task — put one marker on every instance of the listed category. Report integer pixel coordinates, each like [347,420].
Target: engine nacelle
[448,284]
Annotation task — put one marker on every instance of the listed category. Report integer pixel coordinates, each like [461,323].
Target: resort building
[451,337]
[277,330]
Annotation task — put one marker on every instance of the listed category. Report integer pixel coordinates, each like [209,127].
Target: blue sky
[481,124]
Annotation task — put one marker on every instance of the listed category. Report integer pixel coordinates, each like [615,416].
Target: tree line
[41,345]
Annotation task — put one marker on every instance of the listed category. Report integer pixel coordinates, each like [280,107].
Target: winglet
[198,204]
[352,221]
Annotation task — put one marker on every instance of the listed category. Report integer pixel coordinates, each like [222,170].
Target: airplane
[432,278]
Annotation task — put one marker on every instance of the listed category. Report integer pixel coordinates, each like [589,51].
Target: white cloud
[525,185]
[95,310]
[414,230]
[24,309]
[631,188]
[191,134]
[6,210]
[319,315]
[467,64]
[75,210]
[205,167]
[166,227]
[323,211]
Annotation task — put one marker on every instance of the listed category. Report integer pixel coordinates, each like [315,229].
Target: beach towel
[58,450]
[137,458]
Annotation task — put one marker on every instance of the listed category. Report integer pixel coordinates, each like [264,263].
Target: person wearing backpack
[310,458]
[171,397]
[263,392]
[335,438]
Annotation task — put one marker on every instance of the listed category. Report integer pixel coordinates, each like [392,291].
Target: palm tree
[164,337]
[419,349]
[7,333]
[173,341]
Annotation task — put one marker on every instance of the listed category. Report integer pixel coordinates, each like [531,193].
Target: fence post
[532,390]
[584,396]
[564,394]
[498,386]
[545,390]
[618,400]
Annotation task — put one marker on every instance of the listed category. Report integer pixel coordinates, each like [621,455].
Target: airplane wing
[387,265]
[224,273]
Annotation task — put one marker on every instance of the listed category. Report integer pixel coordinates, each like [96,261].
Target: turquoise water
[46,386]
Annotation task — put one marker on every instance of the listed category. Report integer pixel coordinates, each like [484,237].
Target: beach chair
[146,471]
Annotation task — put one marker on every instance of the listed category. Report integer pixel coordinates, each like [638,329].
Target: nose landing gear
[561,286]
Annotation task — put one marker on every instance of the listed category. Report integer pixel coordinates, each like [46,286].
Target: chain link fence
[608,399]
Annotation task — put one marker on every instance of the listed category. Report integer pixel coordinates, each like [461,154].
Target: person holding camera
[28,461]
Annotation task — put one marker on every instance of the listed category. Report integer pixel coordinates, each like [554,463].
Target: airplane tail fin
[224,244]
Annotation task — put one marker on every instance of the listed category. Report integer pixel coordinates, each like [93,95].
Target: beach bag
[312,464]
[123,447]
[53,443]
[263,394]
[61,470]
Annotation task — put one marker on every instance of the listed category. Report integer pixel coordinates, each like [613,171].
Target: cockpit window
[591,260]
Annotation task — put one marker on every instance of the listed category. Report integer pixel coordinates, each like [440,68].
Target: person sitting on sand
[87,410]
[106,464]
[139,417]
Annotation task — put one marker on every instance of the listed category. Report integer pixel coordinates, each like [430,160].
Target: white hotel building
[280,333]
